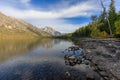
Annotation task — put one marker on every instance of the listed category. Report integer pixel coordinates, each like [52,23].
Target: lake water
[41,59]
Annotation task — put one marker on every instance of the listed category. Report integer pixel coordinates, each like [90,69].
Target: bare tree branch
[104,9]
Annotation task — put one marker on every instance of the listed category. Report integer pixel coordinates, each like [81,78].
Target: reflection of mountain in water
[12,47]
[40,63]
[49,43]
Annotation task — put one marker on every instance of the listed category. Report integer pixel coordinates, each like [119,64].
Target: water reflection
[41,71]
[12,47]
[43,60]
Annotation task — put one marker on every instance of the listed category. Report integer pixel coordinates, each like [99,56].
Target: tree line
[107,24]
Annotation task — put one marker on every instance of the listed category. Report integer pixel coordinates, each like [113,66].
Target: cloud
[26,2]
[20,1]
[82,9]
[57,24]
[15,3]
[54,17]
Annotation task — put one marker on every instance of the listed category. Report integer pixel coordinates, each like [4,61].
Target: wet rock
[101,68]
[86,62]
[113,51]
[88,50]
[73,48]
[70,60]
[106,78]
[90,77]
[79,60]
[118,56]
[89,58]
[104,74]
[101,55]
[110,44]
[72,57]
[98,53]
[117,51]
[106,56]
[66,56]
[67,74]
[67,62]
[72,63]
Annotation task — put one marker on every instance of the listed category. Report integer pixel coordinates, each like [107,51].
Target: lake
[41,59]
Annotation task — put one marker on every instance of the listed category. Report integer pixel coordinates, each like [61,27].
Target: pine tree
[112,16]
[94,18]
[103,19]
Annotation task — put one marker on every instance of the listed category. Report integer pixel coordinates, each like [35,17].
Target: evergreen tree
[94,18]
[112,15]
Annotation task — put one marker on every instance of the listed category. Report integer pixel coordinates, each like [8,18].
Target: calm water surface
[37,60]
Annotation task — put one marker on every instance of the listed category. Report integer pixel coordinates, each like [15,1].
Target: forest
[106,25]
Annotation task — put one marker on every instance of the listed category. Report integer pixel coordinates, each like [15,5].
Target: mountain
[51,31]
[16,28]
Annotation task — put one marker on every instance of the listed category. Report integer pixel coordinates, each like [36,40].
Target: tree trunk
[111,34]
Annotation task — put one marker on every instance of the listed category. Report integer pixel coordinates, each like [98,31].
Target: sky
[63,15]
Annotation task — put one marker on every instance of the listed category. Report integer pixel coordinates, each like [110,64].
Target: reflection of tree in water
[39,69]
[12,47]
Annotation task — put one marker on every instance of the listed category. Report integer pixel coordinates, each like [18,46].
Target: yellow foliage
[104,34]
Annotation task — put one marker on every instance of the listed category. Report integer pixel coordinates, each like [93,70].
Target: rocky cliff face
[51,31]
[10,25]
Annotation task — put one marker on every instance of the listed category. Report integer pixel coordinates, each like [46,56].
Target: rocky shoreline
[103,55]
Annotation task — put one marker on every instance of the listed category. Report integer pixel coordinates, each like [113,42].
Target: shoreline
[104,55]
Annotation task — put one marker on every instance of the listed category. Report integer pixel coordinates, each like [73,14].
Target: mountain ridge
[12,26]
[51,31]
